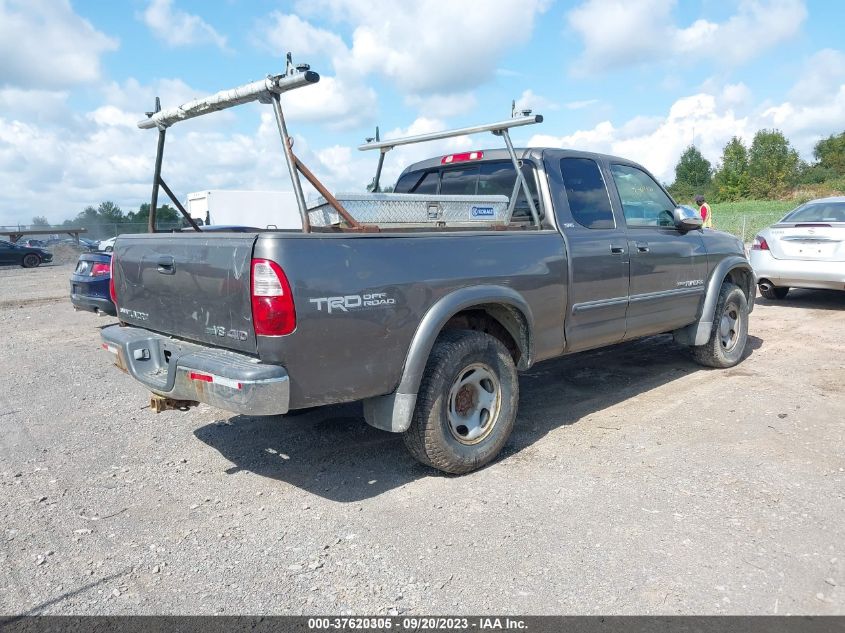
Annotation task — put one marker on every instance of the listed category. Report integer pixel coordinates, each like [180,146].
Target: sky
[642,79]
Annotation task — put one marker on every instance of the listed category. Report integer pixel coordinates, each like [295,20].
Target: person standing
[705,211]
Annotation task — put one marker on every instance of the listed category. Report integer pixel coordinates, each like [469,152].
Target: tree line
[103,218]
[768,169]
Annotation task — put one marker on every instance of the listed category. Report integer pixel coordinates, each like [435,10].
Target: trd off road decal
[353,302]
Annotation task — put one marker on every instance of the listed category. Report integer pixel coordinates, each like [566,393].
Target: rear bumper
[186,371]
[92,304]
[798,273]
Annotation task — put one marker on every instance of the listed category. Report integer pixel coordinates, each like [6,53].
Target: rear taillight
[112,291]
[460,158]
[760,244]
[100,268]
[273,312]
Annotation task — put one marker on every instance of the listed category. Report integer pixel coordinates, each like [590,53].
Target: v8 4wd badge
[219,330]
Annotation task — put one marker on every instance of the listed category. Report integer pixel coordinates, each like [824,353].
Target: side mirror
[687,219]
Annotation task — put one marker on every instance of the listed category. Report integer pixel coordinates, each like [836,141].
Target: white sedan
[106,245]
[806,249]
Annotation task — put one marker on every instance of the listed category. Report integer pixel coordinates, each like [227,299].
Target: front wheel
[729,332]
[30,260]
[467,402]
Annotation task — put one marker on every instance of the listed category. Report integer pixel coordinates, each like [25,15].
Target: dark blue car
[89,283]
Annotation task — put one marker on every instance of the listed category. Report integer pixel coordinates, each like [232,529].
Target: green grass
[745,218]
[742,207]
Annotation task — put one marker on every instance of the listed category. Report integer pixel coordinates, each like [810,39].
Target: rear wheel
[729,331]
[774,293]
[30,260]
[467,403]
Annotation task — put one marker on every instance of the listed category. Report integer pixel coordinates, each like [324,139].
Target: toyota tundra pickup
[428,325]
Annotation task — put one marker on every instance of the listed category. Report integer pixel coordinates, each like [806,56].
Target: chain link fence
[107,231]
[94,232]
[745,225]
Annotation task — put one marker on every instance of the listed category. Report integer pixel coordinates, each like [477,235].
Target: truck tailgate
[190,285]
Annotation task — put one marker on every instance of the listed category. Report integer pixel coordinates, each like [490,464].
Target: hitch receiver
[160,403]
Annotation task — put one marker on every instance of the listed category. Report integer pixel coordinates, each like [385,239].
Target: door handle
[642,247]
[617,249]
[165,265]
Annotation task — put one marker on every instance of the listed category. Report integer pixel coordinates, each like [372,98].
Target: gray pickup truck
[429,325]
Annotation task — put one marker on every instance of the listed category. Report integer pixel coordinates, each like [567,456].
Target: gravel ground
[635,482]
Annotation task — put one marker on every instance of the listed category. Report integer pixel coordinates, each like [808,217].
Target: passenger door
[668,267]
[597,251]
[8,254]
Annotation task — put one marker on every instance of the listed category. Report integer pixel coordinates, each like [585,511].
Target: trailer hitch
[160,403]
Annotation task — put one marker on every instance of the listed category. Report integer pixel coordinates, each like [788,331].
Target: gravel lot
[636,482]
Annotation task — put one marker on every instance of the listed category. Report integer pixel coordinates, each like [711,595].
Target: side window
[406,182]
[498,178]
[586,192]
[417,182]
[643,201]
[428,185]
[458,182]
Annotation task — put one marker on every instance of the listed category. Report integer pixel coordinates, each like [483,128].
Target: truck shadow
[331,452]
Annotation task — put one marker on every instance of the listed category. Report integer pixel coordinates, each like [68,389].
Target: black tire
[458,359]
[30,260]
[108,249]
[774,293]
[729,332]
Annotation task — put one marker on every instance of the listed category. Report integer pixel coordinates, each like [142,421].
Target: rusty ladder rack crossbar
[267,90]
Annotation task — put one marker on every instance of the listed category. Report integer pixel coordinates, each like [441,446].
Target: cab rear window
[495,178]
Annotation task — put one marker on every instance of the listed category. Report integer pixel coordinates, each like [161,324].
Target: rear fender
[392,412]
[739,271]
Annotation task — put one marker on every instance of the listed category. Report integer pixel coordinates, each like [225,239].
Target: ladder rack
[268,90]
[499,128]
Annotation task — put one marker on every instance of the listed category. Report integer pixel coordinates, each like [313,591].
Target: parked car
[30,243]
[428,325]
[89,284]
[26,256]
[806,249]
[106,246]
[81,246]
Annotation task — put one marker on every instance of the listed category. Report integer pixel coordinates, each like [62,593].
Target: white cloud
[539,104]
[736,94]
[44,44]
[34,105]
[424,47]
[433,52]
[824,69]
[287,32]
[180,28]
[343,100]
[622,33]
[443,105]
[435,46]
[658,142]
[339,101]
[61,166]
[580,105]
